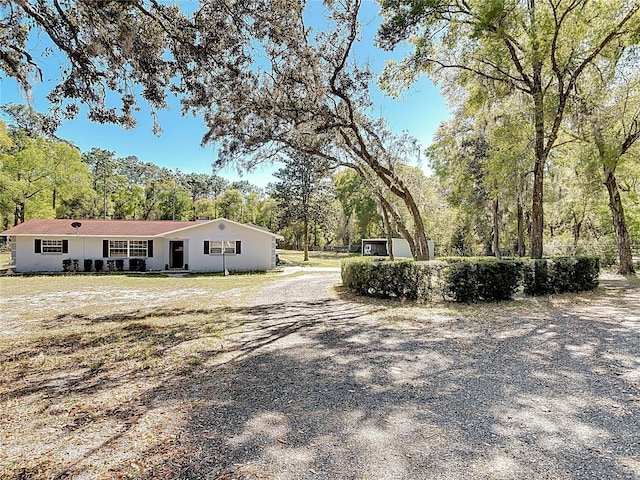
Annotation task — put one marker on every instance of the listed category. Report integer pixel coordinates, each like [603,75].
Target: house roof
[127,228]
[111,228]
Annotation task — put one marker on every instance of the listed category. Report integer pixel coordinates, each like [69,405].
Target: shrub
[463,279]
[66,265]
[138,265]
[99,263]
[561,274]
[386,279]
[120,264]
[87,264]
[473,279]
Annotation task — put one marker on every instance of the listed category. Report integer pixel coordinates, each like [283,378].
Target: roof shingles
[120,228]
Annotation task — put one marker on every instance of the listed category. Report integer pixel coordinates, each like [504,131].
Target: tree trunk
[495,243]
[399,224]
[577,226]
[623,240]
[18,217]
[521,244]
[537,209]
[306,239]
[387,228]
[418,241]
[420,237]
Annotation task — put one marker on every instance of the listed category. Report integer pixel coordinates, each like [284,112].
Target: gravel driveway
[319,386]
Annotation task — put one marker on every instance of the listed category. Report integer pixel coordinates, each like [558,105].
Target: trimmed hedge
[470,280]
[462,279]
[560,275]
[400,279]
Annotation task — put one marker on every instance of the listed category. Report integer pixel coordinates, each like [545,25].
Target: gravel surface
[319,386]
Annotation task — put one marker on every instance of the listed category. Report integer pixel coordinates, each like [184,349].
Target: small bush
[138,265]
[66,265]
[99,263]
[473,279]
[560,275]
[120,264]
[88,263]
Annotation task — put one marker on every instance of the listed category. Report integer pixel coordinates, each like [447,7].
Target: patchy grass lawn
[82,357]
[316,259]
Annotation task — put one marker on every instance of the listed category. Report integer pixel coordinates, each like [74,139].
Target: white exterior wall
[257,249]
[80,248]
[400,248]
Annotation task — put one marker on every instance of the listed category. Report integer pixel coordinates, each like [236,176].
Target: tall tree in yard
[37,174]
[302,192]
[263,80]
[102,164]
[608,117]
[539,48]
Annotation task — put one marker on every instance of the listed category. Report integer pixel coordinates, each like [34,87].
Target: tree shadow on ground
[317,389]
[318,392]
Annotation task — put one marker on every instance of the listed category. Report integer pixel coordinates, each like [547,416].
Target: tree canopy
[539,49]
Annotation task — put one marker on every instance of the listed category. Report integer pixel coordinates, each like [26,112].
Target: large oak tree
[262,79]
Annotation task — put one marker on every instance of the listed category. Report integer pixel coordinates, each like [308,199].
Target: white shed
[401,249]
[208,246]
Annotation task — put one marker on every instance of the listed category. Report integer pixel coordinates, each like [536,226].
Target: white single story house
[199,246]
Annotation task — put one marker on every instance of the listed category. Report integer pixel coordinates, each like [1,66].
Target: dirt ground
[306,381]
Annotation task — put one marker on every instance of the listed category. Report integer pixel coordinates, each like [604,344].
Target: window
[118,248]
[128,248]
[216,247]
[51,246]
[137,248]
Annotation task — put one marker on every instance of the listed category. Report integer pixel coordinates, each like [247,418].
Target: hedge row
[470,279]
[560,275]
[399,279]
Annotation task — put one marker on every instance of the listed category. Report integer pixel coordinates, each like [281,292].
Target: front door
[176,254]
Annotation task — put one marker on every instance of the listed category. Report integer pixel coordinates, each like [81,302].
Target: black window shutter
[206,247]
[238,247]
[65,246]
[149,248]
[38,246]
[105,248]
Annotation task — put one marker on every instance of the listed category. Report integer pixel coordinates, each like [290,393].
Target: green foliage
[137,265]
[360,217]
[467,279]
[560,275]
[473,279]
[399,279]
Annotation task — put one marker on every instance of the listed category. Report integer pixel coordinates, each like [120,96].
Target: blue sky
[418,111]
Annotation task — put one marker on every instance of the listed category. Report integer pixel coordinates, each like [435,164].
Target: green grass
[316,259]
